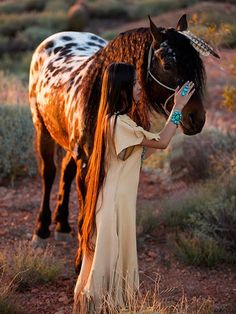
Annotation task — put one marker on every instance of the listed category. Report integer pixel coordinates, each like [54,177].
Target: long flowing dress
[112,269]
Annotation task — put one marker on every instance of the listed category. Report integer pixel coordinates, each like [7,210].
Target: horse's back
[52,83]
[64,49]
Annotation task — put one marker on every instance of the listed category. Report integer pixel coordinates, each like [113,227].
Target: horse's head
[174,59]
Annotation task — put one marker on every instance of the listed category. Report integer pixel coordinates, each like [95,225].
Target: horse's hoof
[61,236]
[38,242]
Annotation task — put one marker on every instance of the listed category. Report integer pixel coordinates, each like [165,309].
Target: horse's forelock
[189,63]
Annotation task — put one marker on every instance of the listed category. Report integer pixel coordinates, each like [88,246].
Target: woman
[108,242]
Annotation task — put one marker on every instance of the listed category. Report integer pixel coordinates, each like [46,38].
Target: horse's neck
[130,47]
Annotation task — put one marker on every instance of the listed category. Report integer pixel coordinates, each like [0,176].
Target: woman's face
[136,89]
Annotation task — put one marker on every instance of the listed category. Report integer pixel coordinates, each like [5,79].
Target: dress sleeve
[128,134]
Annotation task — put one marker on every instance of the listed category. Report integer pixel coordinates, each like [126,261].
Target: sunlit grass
[27,266]
[12,90]
[154,300]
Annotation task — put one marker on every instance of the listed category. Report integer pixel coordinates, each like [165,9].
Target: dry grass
[12,90]
[8,300]
[27,266]
[154,301]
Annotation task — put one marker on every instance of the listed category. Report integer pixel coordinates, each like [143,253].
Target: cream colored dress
[113,268]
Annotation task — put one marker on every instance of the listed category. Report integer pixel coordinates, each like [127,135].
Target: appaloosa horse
[64,93]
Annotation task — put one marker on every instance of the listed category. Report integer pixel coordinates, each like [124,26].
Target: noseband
[162,107]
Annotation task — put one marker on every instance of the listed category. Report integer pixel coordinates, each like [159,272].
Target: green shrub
[229,98]
[12,90]
[58,5]
[200,250]
[207,216]
[107,9]
[17,64]
[35,35]
[147,217]
[193,158]
[12,24]
[217,219]
[16,142]
[177,210]
[217,27]
[55,21]
[14,6]
[4,44]
[29,266]
[142,9]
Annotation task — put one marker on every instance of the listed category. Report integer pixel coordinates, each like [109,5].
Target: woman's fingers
[190,94]
[186,88]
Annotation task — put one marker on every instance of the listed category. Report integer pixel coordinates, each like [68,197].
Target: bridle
[162,107]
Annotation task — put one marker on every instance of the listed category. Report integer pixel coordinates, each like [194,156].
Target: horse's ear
[182,25]
[155,31]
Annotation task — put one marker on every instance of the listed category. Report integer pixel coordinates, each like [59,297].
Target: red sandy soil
[19,206]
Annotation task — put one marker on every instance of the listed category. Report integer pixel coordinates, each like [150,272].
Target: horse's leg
[68,172]
[45,146]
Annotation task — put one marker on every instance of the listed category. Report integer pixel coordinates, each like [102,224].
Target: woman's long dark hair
[116,98]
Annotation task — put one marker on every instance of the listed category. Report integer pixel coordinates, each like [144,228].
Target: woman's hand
[181,97]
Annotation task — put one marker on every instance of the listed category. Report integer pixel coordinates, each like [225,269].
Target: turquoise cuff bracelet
[176,117]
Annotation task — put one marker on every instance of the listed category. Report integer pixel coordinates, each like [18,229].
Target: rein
[162,107]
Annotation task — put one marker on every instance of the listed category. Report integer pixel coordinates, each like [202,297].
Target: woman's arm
[170,128]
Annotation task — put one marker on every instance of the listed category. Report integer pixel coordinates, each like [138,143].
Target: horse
[64,93]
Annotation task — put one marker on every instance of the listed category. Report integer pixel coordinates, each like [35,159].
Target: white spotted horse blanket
[55,86]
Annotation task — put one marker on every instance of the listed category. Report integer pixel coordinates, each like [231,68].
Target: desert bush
[12,90]
[107,9]
[56,21]
[140,9]
[12,24]
[199,250]
[4,43]
[28,266]
[207,216]
[217,219]
[147,216]
[229,98]
[16,142]
[192,160]
[14,6]
[17,64]
[216,27]
[59,5]
[35,35]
